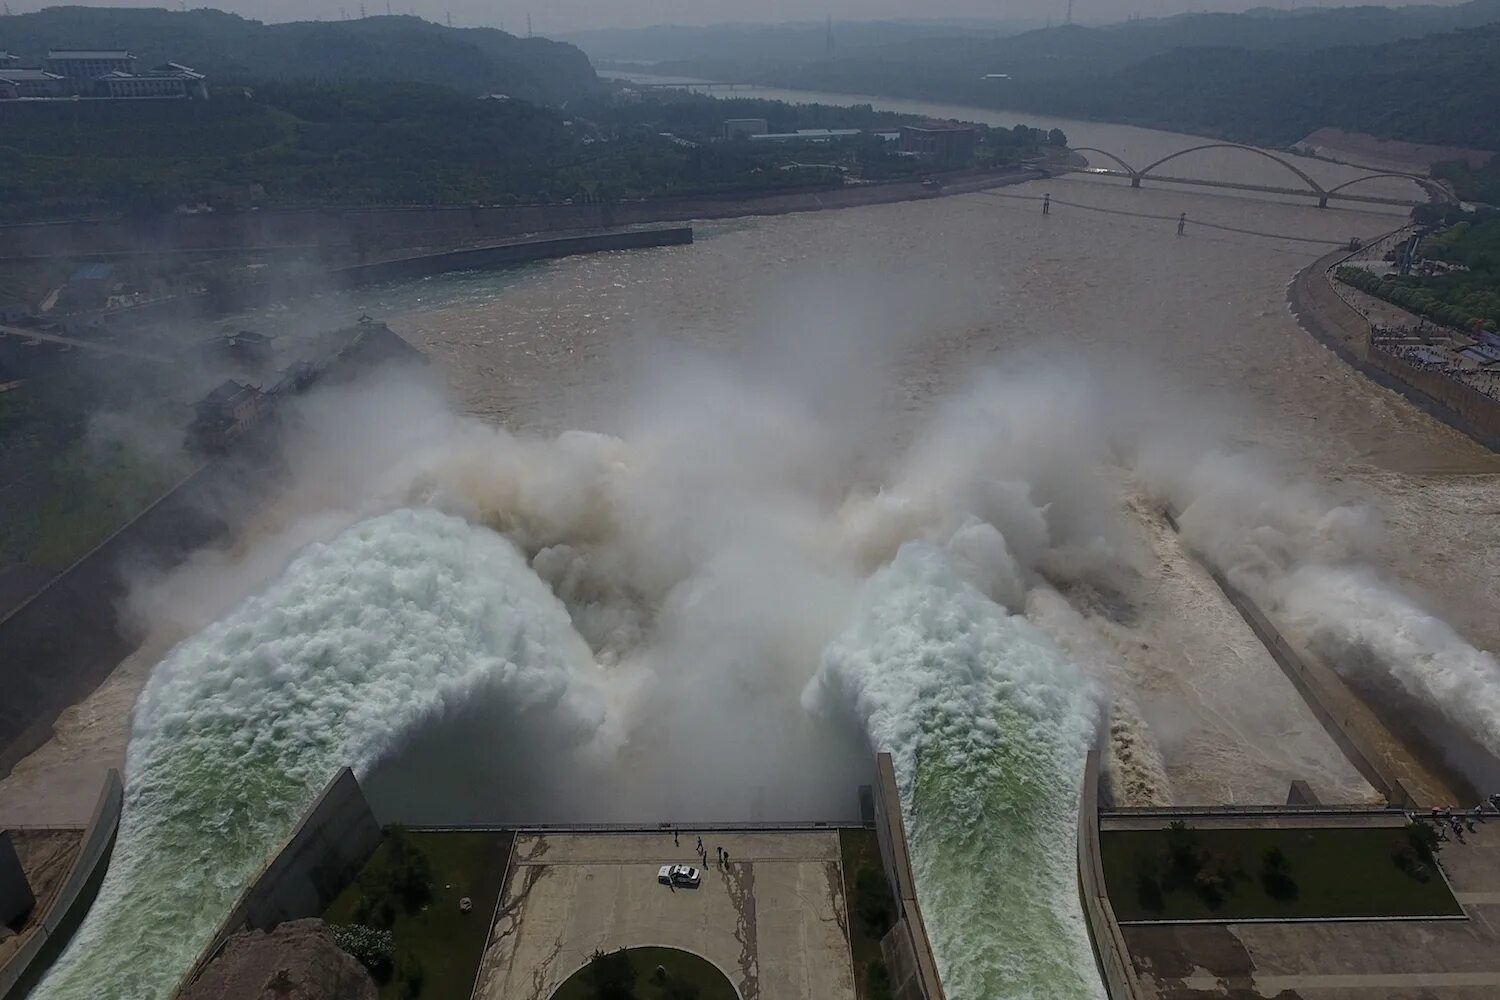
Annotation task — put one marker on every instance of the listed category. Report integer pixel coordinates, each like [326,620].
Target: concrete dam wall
[67,638]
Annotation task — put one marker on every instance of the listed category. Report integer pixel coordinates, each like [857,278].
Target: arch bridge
[1309,189]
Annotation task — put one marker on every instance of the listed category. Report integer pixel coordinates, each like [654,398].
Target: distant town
[96,74]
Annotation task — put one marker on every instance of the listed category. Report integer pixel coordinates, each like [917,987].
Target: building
[225,414]
[169,80]
[808,135]
[88,288]
[82,66]
[18,83]
[740,128]
[8,60]
[946,144]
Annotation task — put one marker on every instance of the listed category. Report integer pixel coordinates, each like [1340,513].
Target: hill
[1423,74]
[230,49]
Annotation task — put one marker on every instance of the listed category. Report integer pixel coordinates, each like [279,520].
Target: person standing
[1047,204]
[1181,223]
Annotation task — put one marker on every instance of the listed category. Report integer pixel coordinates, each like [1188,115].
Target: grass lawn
[682,968]
[872,910]
[1324,873]
[446,941]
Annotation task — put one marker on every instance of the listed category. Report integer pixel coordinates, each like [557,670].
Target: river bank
[358,233]
[1335,324]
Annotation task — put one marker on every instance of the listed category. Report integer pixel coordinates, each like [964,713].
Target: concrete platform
[1334,960]
[773,920]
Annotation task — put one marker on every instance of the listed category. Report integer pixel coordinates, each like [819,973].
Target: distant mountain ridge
[1423,74]
[230,48]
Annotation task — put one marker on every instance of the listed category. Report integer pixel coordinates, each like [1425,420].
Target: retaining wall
[73,898]
[333,840]
[1342,329]
[359,228]
[1402,781]
[906,946]
[67,638]
[1110,951]
[61,643]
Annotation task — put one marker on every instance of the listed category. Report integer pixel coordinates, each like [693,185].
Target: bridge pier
[1135,181]
[1322,200]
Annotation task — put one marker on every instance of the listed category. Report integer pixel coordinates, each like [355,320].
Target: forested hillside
[230,48]
[1423,74]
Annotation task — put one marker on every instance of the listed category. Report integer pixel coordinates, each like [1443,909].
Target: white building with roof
[84,65]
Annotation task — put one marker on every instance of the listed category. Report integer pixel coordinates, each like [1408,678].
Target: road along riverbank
[1340,327]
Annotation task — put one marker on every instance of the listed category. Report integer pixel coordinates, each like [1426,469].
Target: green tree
[611,975]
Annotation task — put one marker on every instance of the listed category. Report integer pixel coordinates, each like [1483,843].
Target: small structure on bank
[225,414]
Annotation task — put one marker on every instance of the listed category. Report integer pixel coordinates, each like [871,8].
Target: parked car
[686,875]
[664,875]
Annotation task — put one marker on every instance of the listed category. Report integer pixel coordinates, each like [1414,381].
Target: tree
[611,975]
[1276,876]
[1057,137]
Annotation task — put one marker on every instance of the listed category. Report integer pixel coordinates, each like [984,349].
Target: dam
[721,507]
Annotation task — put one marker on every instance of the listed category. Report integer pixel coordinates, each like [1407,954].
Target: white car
[684,875]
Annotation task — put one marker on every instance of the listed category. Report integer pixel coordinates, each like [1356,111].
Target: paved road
[774,920]
[87,345]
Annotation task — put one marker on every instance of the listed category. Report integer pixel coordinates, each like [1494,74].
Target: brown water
[944,288]
[987,280]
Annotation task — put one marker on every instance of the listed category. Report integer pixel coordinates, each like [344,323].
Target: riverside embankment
[1342,329]
[363,232]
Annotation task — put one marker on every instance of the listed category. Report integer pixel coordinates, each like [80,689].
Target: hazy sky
[553,16]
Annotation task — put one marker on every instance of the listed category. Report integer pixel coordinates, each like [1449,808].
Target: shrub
[611,975]
[373,947]
[1276,877]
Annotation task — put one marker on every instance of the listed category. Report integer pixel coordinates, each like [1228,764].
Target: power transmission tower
[450,19]
[1070,12]
[362,14]
[528,24]
[387,8]
[828,39]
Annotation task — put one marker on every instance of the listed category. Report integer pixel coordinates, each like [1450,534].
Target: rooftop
[228,391]
[89,54]
[941,127]
[18,75]
[93,272]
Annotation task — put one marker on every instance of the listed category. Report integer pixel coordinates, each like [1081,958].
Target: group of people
[703,851]
[1457,819]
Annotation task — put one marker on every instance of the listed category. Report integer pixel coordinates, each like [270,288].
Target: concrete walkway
[773,920]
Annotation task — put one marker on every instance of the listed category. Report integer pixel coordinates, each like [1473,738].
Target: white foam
[393,623]
[988,727]
[1363,623]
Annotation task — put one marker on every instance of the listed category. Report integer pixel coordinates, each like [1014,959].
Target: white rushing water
[988,727]
[390,624]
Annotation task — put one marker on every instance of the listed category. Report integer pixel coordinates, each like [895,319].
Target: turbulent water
[391,623]
[988,727]
[747,549]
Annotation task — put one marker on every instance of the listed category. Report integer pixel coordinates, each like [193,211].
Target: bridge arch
[1104,152]
[1433,188]
[1312,185]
